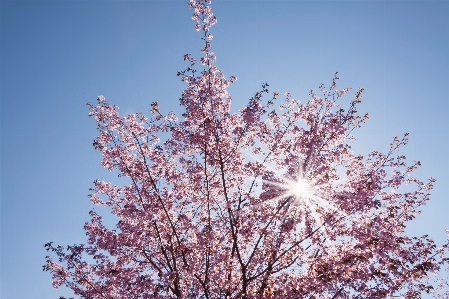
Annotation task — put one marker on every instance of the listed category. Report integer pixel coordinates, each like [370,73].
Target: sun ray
[301,189]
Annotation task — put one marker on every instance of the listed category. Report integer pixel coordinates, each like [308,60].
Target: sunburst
[299,188]
[303,191]
[300,192]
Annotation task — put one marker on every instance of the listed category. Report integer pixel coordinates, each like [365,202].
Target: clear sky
[58,55]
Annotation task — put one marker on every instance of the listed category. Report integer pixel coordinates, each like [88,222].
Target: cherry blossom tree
[269,202]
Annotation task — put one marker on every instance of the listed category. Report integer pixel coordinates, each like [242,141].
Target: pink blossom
[267,202]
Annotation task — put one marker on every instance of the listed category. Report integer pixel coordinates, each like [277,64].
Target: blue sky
[58,55]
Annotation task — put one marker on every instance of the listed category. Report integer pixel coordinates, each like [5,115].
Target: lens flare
[303,191]
[300,188]
[304,194]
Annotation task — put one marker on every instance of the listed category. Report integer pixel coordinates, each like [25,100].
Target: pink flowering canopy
[269,202]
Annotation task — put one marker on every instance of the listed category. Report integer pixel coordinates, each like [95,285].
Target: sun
[300,188]
[303,192]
